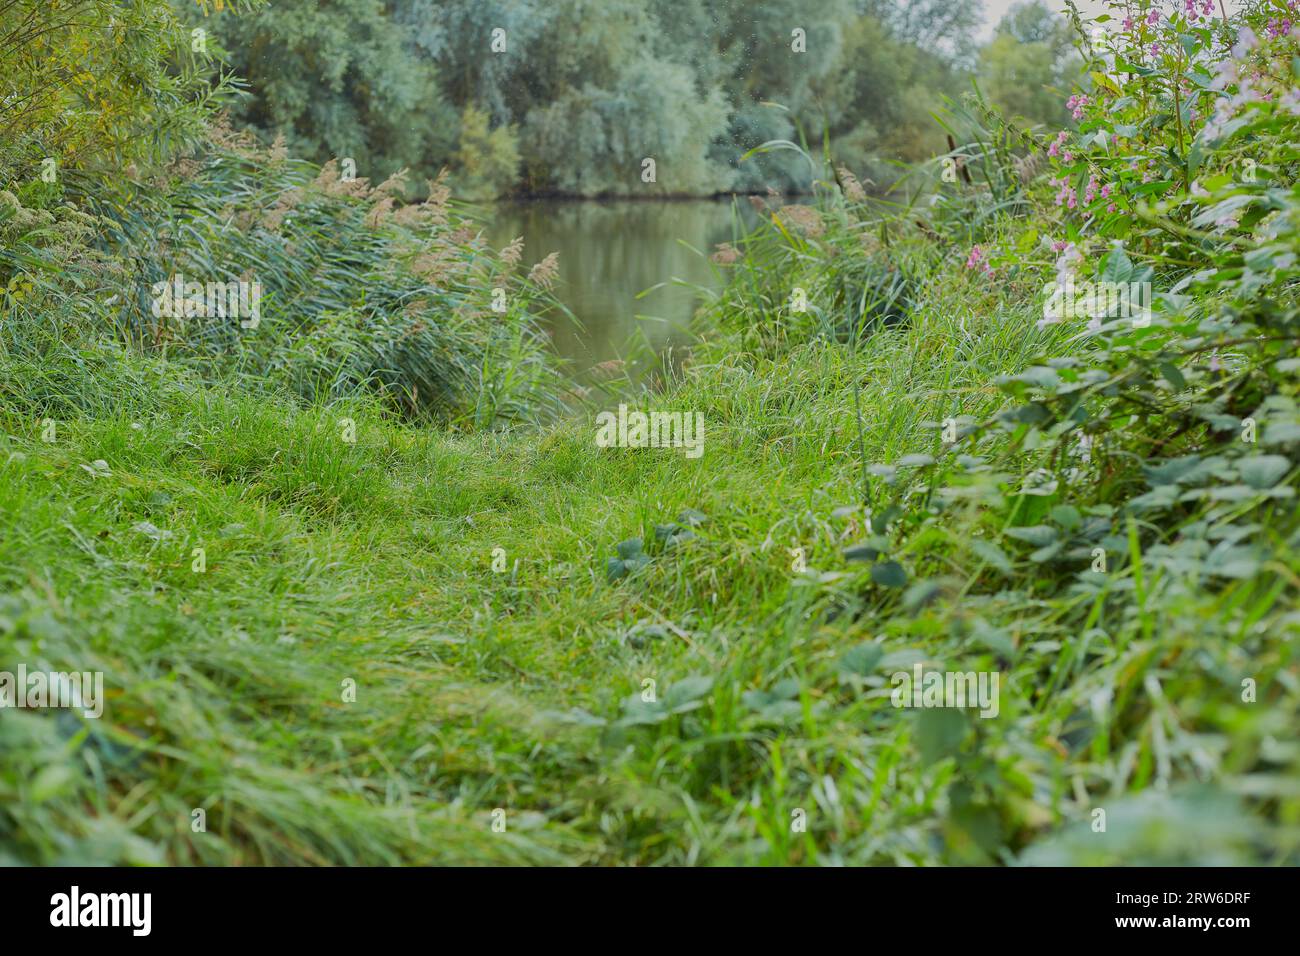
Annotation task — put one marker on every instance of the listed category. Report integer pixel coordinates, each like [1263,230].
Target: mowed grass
[500,716]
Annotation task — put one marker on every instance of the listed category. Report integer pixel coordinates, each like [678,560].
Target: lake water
[610,252]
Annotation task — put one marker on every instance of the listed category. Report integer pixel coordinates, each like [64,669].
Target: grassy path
[372,562]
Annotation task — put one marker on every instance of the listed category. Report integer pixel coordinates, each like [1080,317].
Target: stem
[857,411]
[1178,115]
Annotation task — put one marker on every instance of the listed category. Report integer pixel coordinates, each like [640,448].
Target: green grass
[477,690]
[408,649]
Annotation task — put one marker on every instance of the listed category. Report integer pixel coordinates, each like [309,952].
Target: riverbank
[475,688]
[945,569]
[414,648]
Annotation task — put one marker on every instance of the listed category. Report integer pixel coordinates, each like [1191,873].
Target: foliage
[339,80]
[1028,63]
[1134,496]
[593,89]
[91,82]
[1098,508]
[355,290]
[487,163]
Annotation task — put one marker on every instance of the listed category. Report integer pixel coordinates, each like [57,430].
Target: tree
[91,82]
[1027,65]
[487,161]
[341,79]
[595,140]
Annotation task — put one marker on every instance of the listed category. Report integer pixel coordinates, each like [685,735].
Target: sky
[994,10]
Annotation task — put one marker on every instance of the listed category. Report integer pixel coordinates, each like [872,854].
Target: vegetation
[365,590]
[594,89]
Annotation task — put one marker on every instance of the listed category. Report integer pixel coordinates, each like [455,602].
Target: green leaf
[869,550]
[1034,413]
[1039,375]
[1282,433]
[1171,471]
[1174,377]
[940,732]
[631,548]
[889,574]
[1039,535]
[1067,516]
[1047,553]
[687,694]
[1263,471]
[991,554]
[1222,209]
[1117,267]
[862,660]
[1105,82]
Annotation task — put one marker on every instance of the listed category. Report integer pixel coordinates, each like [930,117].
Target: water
[613,250]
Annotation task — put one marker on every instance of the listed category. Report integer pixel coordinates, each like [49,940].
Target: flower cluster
[1193,15]
[1066,194]
[978,259]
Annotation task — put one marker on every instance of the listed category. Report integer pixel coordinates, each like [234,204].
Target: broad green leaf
[889,574]
[1263,471]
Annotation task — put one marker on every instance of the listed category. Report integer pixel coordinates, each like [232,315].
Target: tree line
[569,96]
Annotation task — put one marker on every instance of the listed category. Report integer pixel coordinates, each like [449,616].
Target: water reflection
[610,251]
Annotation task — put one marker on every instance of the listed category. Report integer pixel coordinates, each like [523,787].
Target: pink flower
[1155,49]
[1065,195]
[1153,18]
[1110,207]
[1054,149]
[1105,191]
[1090,193]
[1128,24]
[1068,157]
